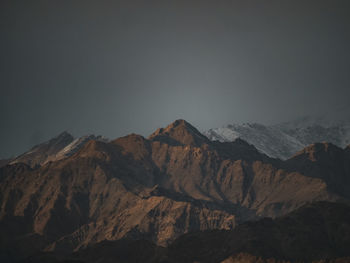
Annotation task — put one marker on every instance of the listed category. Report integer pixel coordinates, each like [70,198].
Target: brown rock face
[174,182]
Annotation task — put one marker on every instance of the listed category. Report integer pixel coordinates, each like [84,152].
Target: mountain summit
[182,132]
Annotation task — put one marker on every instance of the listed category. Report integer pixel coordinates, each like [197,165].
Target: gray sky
[116,67]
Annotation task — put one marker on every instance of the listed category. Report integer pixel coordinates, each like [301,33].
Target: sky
[116,67]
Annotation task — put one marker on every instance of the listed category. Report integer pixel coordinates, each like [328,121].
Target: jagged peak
[182,132]
[62,137]
[180,123]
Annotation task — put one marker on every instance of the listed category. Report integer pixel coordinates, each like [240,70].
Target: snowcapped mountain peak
[283,140]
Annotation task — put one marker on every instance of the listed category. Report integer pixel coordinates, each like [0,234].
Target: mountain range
[163,194]
[283,140]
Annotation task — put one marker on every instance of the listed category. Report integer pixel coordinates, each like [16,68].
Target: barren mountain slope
[316,233]
[59,147]
[174,182]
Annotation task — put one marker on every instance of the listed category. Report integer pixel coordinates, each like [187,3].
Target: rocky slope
[312,233]
[174,182]
[315,233]
[60,147]
[285,139]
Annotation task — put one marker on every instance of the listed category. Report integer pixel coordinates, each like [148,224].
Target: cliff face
[174,182]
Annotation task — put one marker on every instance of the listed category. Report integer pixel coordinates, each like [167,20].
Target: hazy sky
[116,67]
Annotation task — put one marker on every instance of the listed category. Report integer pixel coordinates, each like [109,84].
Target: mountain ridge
[285,139]
[57,148]
[156,189]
